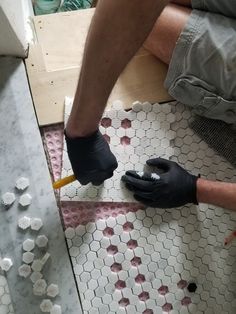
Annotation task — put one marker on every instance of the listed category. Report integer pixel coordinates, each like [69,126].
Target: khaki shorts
[202,72]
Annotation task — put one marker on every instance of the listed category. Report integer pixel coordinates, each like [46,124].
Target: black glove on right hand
[91,158]
[172,187]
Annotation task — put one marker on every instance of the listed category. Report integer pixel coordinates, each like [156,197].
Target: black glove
[91,158]
[170,185]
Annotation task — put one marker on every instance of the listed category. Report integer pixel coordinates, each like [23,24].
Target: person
[199,45]
[172,186]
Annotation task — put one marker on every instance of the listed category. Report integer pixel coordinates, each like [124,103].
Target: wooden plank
[49,89]
[53,67]
[62,37]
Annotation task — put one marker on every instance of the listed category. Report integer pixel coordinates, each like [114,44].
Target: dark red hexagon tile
[163,290]
[143,296]
[108,232]
[116,267]
[132,244]
[106,122]
[112,249]
[124,302]
[182,284]
[186,301]
[125,140]
[148,311]
[128,226]
[167,307]
[136,261]
[140,278]
[126,123]
[120,284]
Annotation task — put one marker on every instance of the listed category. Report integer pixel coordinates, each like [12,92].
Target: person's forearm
[117,31]
[221,194]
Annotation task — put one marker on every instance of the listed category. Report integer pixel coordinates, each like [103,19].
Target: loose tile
[56,309]
[36,276]
[24,223]
[36,224]
[46,306]
[41,241]
[28,244]
[37,265]
[8,198]
[28,257]
[24,270]
[45,258]
[25,200]
[22,183]
[39,287]
[6,263]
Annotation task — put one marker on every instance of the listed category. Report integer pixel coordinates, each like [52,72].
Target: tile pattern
[81,213]
[53,143]
[193,153]
[142,133]
[5,298]
[142,262]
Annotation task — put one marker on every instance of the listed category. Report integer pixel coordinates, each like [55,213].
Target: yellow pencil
[64,181]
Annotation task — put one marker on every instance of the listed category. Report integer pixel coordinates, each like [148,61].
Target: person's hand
[170,185]
[91,158]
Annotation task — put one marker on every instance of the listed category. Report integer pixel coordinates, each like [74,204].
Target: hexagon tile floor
[143,261]
[5,299]
[131,259]
[134,136]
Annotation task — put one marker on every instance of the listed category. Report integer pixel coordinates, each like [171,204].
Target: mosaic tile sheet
[143,261]
[81,213]
[134,137]
[128,260]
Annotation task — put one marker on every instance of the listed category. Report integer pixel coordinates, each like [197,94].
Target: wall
[15,29]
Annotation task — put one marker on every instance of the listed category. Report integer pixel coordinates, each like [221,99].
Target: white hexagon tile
[134,136]
[131,259]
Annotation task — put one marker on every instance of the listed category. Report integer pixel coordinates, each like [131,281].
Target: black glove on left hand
[173,187]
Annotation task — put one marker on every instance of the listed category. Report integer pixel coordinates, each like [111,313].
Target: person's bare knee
[165,33]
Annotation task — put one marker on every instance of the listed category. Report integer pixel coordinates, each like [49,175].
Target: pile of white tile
[32,267]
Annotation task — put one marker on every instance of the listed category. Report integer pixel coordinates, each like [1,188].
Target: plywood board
[62,37]
[53,67]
